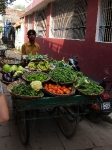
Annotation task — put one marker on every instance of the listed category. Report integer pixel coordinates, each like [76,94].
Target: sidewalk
[46,135]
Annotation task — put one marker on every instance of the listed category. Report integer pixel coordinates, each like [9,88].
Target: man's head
[31,35]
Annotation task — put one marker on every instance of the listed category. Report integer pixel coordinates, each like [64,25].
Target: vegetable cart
[66,109]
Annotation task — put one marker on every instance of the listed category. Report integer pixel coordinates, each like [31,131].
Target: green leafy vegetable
[23,89]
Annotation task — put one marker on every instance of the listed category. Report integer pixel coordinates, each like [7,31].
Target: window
[30,21]
[40,22]
[105,21]
[68,19]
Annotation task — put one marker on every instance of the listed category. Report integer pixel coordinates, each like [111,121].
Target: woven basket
[1,71]
[60,95]
[11,61]
[15,83]
[38,70]
[5,82]
[89,94]
[27,73]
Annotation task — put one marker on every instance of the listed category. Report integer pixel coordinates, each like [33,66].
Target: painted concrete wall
[19,37]
[94,57]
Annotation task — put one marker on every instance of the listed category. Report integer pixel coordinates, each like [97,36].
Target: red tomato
[63,86]
[70,88]
[67,91]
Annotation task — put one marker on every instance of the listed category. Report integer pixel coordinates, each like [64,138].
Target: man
[4,114]
[31,46]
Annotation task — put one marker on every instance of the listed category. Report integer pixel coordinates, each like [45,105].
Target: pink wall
[33,4]
[94,57]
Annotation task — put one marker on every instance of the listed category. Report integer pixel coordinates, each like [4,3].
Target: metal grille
[68,19]
[105,24]
[40,22]
[30,21]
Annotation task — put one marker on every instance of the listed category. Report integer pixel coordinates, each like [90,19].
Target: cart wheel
[67,124]
[24,126]
[94,117]
[51,110]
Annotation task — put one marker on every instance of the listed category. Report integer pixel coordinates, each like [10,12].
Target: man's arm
[39,49]
[4,113]
[23,50]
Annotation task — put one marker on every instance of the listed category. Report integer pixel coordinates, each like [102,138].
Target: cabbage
[6,68]
[13,68]
[20,68]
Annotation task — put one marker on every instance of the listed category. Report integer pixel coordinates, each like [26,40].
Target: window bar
[59,31]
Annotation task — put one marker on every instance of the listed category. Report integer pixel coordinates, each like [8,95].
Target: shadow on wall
[90,63]
[57,48]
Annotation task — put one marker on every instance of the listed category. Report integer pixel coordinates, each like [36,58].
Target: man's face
[31,36]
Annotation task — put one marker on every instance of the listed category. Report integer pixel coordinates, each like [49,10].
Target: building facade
[8,32]
[68,28]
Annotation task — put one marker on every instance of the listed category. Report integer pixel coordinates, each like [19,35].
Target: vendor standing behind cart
[4,114]
[31,46]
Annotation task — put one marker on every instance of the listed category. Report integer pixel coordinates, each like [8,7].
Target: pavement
[46,134]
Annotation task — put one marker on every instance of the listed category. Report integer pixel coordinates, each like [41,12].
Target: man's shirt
[27,48]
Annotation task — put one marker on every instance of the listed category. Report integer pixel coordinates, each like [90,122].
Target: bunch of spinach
[37,76]
[85,85]
[62,75]
[25,89]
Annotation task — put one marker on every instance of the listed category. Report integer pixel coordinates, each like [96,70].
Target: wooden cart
[65,109]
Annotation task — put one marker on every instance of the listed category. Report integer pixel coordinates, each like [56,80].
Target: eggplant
[9,74]
[12,80]
[8,79]
[12,72]
[4,76]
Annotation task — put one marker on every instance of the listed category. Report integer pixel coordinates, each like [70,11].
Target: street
[46,134]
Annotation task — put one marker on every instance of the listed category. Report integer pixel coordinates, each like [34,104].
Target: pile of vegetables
[37,76]
[57,89]
[42,65]
[12,76]
[85,85]
[9,60]
[8,77]
[9,68]
[60,63]
[37,56]
[25,89]
[62,75]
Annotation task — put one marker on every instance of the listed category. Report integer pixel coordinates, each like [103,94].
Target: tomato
[47,88]
[54,91]
[55,87]
[49,85]
[58,92]
[64,90]
[58,86]
[63,86]
[52,86]
[61,92]
[70,88]
[50,90]
[61,89]
[67,91]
